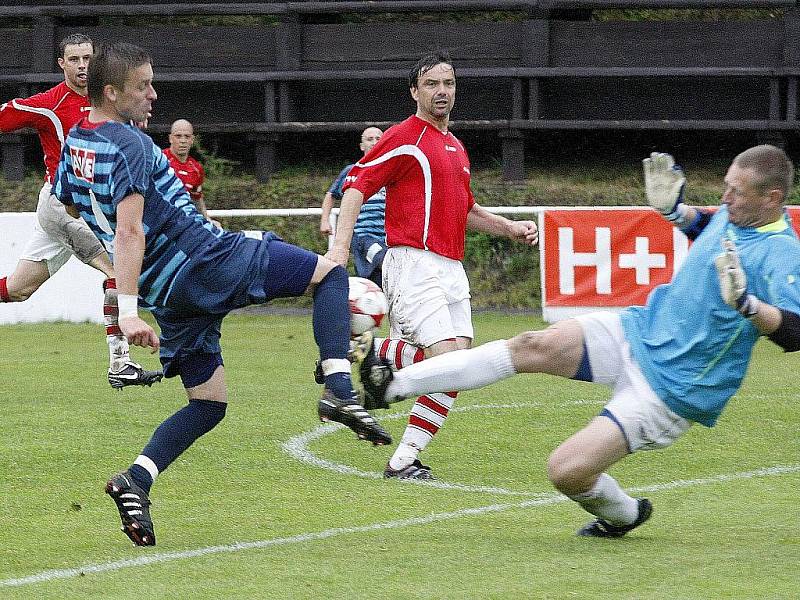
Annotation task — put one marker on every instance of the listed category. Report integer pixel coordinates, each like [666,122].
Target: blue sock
[331,322]
[176,434]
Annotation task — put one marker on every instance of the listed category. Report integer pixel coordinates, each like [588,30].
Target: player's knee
[532,349]
[568,472]
[329,272]
[556,471]
[86,247]
[209,412]
[21,293]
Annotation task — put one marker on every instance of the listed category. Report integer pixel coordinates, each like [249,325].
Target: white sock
[335,365]
[118,351]
[148,465]
[608,501]
[458,370]
[404,455]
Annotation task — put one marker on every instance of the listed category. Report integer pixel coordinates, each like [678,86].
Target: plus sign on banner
[607,258]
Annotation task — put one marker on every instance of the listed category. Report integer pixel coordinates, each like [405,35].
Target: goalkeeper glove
[663,184]
[733,281]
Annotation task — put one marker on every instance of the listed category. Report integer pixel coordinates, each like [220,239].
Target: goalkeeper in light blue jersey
[671,363]
[190,273]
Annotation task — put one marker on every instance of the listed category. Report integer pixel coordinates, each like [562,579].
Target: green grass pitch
[271,504]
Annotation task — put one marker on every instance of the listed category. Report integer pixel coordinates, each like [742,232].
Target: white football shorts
[428,294]
[57,236]
[644,419]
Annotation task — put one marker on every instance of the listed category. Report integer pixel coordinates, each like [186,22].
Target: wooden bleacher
[537,65]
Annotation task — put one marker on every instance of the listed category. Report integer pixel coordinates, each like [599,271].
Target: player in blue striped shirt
[368,245]
[173,261]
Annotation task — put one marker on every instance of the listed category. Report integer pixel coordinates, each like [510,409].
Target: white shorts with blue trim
[644,419]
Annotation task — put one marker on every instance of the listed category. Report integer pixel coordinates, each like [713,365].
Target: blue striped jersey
[370,219]
[101,164]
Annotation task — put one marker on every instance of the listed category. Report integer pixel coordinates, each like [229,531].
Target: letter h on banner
[568,259]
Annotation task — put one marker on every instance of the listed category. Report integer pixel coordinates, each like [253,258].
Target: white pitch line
[552,498]
[297,447]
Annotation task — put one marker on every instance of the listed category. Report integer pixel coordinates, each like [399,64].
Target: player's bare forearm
[129,242]
[480,219]
[325,218]
[348,213]
[767,319]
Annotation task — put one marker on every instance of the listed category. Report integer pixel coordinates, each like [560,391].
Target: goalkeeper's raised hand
[733,281]
[663,184]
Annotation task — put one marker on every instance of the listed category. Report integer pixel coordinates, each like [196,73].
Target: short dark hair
[73,39]
[110,65]
[773,168]
[425,64]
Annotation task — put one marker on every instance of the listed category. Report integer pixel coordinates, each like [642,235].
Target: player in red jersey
[57,236]
[429,206]
[187,168]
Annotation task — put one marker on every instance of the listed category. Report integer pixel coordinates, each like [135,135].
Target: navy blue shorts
[253,272]
[368,252]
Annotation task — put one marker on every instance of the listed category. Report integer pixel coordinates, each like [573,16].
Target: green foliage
[489,16]
[20,196]
[708,14]
[192,21]
[502,273]
[216,167]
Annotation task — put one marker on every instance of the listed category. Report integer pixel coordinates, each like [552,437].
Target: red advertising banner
[608,257]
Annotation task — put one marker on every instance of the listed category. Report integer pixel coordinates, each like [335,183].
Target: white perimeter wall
[75,293]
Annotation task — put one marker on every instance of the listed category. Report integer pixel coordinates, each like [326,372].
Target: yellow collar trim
[775,227]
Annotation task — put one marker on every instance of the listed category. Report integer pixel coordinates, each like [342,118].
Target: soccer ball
[368,306]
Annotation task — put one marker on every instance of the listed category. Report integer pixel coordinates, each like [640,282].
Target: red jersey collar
[429,124]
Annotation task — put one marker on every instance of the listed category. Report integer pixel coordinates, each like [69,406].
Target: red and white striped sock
[429,411]
[398,352]
[118,349]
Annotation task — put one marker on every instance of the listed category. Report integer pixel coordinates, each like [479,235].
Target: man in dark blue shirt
[190,273]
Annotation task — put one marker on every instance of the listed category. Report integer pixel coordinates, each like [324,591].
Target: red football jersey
[52,114]
[427,178]
[191,173]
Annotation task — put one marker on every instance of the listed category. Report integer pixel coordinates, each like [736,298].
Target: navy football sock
[176,434]
[331,322]
[340,384]
[141,477]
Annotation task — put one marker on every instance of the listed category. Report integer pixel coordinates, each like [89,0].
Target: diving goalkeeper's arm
[781,326]
[664,183]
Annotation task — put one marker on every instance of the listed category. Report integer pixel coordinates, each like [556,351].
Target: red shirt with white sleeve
[52,114]
[191,173]
[427,178]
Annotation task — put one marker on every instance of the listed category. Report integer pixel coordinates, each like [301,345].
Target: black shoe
[134,509]
[376,375]
[319,376]
[133,374]
[604,529]
[350,413]
[415,470]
